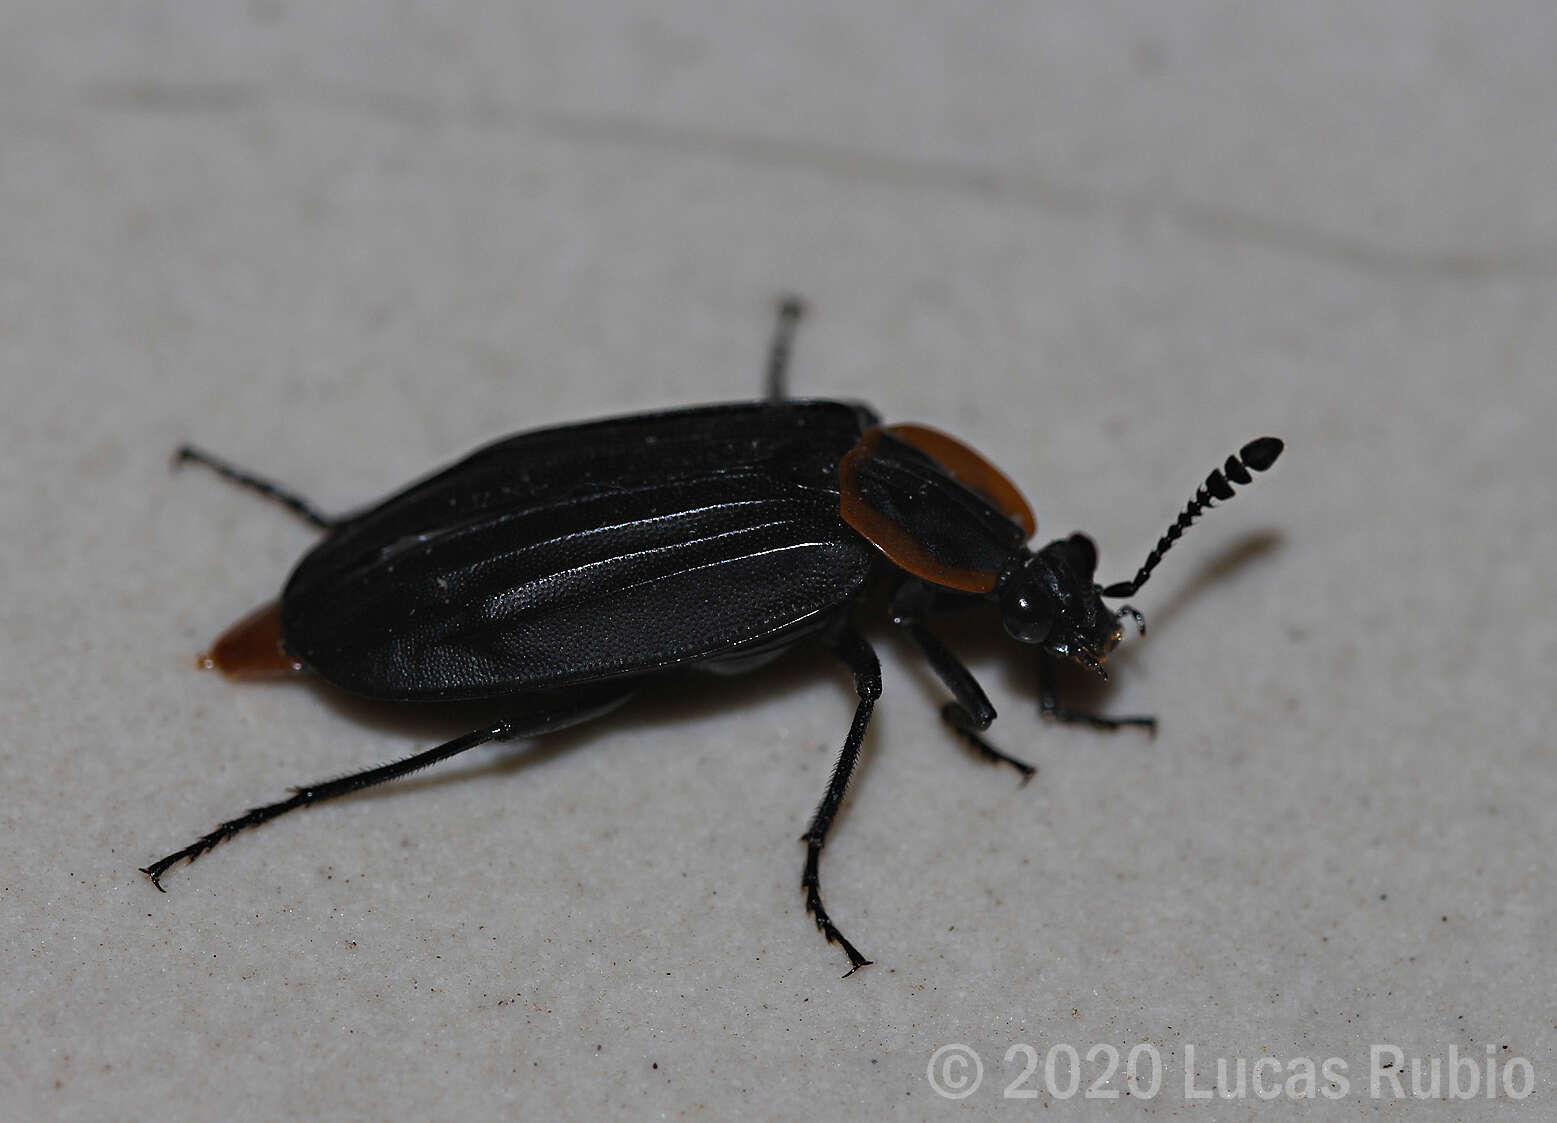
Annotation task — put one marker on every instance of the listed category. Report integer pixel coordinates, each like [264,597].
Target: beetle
[568,567]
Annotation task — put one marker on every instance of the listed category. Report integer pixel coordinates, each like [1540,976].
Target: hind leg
[189,454]
[569,709]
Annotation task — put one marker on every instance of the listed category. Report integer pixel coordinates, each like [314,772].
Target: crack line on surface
[1207,221]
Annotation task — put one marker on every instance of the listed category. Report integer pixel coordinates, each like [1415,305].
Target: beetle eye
[1027,613]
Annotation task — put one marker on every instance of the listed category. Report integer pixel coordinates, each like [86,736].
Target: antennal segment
[1256,456]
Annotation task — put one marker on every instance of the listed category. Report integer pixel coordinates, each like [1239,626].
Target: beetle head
[1050,599]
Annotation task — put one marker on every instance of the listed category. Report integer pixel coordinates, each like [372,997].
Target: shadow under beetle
[568,567]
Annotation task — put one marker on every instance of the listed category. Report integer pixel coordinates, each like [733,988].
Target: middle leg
[777,382]
[861,659]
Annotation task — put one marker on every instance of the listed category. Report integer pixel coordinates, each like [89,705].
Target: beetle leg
[789,312]
[1049,706]
[571,710]
[857,653]
[299,505]
[971,713]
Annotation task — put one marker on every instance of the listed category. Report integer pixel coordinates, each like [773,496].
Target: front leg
[1049,705]
[971,713]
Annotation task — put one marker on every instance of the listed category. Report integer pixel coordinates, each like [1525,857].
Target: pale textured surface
[1105,244]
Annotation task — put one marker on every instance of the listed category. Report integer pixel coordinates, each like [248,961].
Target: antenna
[1258,455]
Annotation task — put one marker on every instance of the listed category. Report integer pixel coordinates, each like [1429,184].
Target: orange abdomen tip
[252,648]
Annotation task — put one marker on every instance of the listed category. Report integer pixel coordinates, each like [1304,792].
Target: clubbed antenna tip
[1260,453]
[1256,456]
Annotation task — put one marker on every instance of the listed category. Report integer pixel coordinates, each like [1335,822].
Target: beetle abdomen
[557,557]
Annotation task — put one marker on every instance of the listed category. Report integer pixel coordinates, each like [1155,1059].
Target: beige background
[1105,243]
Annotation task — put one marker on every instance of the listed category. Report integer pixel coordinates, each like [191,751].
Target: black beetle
[567,567]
